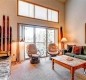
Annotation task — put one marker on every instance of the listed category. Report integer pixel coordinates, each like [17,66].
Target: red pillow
[77,50]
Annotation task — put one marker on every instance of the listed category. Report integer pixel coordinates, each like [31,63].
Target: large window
[34,11]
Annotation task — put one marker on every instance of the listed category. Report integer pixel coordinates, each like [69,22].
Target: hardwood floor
[42,71]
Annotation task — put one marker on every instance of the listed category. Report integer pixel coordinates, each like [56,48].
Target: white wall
[9,8]
[75,19]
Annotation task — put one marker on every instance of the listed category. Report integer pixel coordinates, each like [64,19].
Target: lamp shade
[63,40]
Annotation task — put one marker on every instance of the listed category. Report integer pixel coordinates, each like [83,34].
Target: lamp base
[62,45]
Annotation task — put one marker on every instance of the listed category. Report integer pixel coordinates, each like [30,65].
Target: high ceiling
[62,1]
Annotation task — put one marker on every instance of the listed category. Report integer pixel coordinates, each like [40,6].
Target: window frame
[36,26]
[34,11]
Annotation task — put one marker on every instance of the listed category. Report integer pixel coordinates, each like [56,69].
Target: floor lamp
[63,41]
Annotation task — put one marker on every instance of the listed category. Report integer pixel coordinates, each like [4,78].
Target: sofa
[76,51]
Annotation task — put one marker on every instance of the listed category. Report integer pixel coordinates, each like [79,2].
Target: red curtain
[61,32]
[61,36]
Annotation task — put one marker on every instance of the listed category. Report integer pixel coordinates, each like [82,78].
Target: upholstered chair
[32,53]
[53,50]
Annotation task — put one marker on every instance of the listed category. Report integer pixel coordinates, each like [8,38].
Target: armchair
[32,53]
[53,50]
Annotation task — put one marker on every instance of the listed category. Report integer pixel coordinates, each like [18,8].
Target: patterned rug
[42,71]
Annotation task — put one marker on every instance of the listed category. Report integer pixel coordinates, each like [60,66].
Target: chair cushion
[77,50]
[35,55]
[81,57]
[70,54]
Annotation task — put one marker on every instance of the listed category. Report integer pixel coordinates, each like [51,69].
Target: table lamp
[63,41]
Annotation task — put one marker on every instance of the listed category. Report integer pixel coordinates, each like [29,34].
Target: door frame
[36,26]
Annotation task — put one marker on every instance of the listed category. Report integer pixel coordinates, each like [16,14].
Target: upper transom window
[38,12]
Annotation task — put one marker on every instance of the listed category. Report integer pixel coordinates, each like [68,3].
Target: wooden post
[8,34]
[3,32]
[0,37]
[10,38]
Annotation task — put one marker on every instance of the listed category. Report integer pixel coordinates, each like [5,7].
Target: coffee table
[70,63]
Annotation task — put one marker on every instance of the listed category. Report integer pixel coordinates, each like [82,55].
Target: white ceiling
[62,1]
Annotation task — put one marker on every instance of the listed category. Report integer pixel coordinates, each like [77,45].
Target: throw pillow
[69,48]
[84,50]
[77,50]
